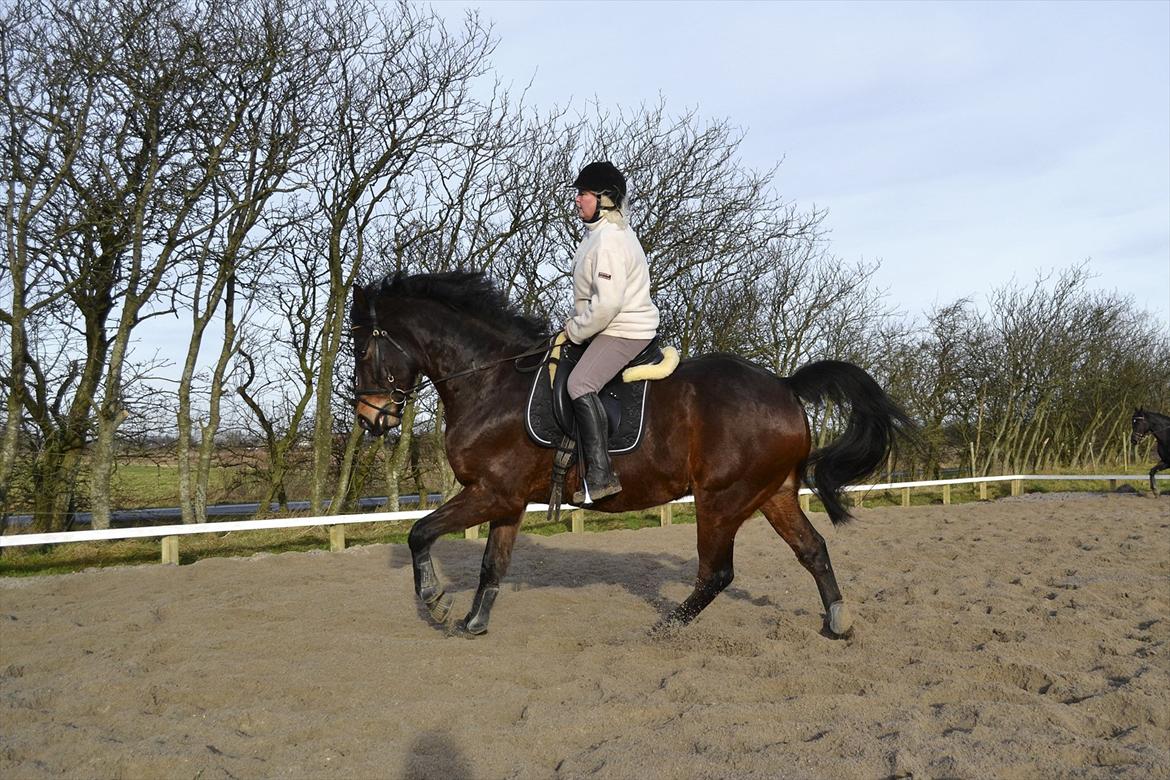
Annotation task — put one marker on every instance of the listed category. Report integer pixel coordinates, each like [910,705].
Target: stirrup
[585,496]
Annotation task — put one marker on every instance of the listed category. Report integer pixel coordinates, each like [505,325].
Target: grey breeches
[603,359]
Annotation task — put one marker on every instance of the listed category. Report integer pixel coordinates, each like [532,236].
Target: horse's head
[1141,426]
[384,371]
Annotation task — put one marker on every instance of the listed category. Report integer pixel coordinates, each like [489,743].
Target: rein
[400,396]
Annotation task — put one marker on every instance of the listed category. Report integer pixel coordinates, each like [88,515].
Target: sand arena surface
[1020,638]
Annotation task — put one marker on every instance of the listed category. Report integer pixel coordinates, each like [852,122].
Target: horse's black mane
[471,293]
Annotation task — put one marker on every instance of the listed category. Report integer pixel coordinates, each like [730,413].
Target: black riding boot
[593,430]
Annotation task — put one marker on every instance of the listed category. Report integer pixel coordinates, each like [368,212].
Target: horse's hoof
[466,631]
[839,622]
[440,608]
[828,633]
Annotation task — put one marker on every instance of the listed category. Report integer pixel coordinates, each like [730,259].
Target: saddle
[550,417]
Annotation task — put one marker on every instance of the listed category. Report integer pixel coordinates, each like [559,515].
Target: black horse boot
[593,430]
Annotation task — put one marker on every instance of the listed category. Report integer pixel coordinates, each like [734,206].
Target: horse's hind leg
[716,531]
[715,574]
[784,513]
[496,558]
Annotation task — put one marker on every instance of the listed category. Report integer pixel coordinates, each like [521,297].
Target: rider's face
[586,204]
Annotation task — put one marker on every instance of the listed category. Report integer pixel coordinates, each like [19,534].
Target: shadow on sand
[434,755]
[536,564]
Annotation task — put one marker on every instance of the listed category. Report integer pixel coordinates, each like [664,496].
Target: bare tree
[280,356]
[65,248]
[933,377]
[1046,377]
[399,86]
[155,143]
[45,112]
[241,164]
[262,60]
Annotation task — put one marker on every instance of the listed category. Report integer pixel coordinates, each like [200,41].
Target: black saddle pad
[624,402]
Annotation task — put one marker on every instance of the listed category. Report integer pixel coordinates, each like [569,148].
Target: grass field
[145,485]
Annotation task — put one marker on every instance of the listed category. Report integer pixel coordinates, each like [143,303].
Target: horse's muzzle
[376,419]
[381,425]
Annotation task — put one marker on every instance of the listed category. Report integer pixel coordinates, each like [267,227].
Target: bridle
[1136,436]
[397,394]
[402,396]
[1152,428]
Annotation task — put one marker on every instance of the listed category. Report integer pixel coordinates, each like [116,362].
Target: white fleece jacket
[611,286]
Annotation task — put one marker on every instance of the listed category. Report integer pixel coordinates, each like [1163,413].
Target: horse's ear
[359,296]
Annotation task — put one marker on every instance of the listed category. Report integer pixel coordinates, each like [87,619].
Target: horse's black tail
[874,422]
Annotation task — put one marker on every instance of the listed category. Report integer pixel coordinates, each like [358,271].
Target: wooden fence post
[905,496]
[578,521]
[1113,484]
[946,494]
[806,502]
[982,491]
[170,550]
[665,515]
[471,533]
[1017,487]
[336,538]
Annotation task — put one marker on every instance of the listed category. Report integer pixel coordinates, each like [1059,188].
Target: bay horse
[1147,423]
[728,431]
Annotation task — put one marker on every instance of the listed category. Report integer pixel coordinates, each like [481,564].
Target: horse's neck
[451,346]
[1157,423]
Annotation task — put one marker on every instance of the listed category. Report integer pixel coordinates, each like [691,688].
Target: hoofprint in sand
[1019,638]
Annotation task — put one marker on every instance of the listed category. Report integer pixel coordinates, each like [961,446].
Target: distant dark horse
[1151,423]
[729,432]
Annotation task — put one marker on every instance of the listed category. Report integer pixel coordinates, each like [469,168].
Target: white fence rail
[170,533]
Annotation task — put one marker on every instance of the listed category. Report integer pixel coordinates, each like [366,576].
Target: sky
[961,145]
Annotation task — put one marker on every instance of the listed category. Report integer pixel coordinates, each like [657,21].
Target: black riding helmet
[602,178]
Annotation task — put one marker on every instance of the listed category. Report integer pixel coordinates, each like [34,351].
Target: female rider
[613,314]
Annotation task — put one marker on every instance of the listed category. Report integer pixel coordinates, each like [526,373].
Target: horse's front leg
[450,517]
[496,558]
[427,585]
[1160,466]
[467,508]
